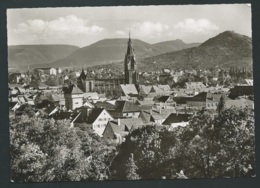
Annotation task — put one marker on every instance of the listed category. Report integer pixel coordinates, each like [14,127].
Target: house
[91,96]
[95,118]
[204,100]
[48,71]
[73,97]
[164,101]
[129,90]
[239,103]
[241,90]
[152,117]
[194,85]
[23,109]
[116,131]
[106,105]
[13,106]
[249,82]
[125,109]
[175,120]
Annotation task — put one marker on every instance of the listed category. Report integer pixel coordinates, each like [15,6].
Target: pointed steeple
[82,74]
[130,50]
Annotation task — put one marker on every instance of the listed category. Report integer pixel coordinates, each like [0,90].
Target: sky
[82,26]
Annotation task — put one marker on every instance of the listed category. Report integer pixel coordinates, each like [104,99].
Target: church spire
[130,50]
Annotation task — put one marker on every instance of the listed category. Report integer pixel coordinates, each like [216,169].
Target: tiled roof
[129,89]
[176,118]
[145,89]
[145,116]
[132,123]
[125,106]
[105,104]
[118,129]
[12,104]
[94,114]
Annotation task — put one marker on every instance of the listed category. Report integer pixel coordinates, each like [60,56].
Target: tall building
[131,74]
[73,97]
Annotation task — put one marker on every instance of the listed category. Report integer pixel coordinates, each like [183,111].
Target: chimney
[118,122]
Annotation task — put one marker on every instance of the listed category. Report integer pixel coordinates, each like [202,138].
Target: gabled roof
[200,97]
[125,106]
[176,118]
[132,123]
[129,89]
[145,116]
[95,114]
[50,109]
[73,89]
[165,87]
[12,104]
[105,104]
[117,129]
[145,89]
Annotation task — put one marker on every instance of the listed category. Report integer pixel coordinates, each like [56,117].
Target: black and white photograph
[158,92]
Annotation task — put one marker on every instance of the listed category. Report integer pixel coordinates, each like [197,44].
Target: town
[114,104]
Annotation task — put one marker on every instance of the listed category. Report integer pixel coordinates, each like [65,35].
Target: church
[112,85]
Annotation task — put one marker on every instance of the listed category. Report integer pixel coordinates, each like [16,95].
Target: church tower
[131,74]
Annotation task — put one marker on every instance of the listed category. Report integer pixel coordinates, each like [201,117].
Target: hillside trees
[210,147]
[48,150]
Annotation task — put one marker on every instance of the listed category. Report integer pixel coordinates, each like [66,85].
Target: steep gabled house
[129,90]
[114,132]
[95,118]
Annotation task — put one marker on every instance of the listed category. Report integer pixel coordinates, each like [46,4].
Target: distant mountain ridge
[174,45]
[224,50]
[23,55]
[106,51]
[113,50]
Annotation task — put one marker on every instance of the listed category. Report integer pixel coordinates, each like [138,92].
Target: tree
[221,104]
[131,169]
[49,150]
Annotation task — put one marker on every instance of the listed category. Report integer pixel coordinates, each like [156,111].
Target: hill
[106,51]
[224,50]
[173,45]
[23,55]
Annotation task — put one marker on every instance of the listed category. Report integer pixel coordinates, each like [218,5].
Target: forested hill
[23,55]
[224,50]
[174,45]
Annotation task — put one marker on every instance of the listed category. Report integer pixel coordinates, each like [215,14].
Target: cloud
[61,27]
[121,33]
[149,29]
[202,26]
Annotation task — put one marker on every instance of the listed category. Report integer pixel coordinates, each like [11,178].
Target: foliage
[48,150]
[212,146]
[131,169]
